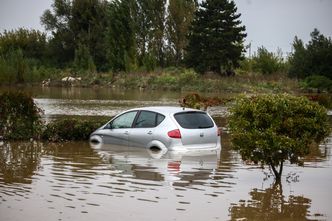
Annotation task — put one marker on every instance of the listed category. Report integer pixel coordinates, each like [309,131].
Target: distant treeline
[93,36]
[131,35]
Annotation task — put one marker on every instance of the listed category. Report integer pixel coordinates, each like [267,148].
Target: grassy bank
[170,79]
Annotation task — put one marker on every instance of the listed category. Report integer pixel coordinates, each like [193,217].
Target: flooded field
[76,181]
[56,102]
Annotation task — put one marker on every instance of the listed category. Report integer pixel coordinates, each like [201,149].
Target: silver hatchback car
[165,128]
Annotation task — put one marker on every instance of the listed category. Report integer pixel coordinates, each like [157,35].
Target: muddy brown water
[76,181]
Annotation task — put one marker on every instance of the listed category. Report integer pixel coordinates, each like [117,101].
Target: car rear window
[193,120]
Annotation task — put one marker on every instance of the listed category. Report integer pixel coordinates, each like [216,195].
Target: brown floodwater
[76,181]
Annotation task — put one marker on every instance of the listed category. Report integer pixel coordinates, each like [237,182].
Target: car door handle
[126,133]
[150,132]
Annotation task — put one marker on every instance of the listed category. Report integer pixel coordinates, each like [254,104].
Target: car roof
[167,109]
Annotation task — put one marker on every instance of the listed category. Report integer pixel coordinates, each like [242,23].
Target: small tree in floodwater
[271,129]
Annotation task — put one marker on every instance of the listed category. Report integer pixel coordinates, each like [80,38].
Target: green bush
[273,128]
[19,117]
[188,77]
[318,82]
[266,62]
[69,129]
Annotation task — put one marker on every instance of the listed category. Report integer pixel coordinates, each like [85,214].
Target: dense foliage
[318,82]
[118,35]
[93,39]
[73,24]
[22,56]
[216,37]
[69,129]
[32,43]
[19,117]
[271,129]
[315,58]
[180,16]
[264,62]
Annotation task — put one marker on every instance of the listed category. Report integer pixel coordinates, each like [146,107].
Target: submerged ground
[76,181]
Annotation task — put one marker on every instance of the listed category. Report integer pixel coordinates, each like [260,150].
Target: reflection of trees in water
[19,161]
[271,204]
[76,157]
[319,153]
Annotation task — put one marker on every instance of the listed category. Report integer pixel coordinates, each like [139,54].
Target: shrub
[273,128]
[318,82]
[188,77]
[19,116]
[69,129]
[266,62]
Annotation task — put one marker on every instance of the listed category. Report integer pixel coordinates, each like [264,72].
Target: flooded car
[166,128]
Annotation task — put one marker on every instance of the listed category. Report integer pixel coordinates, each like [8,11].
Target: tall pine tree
[216,37]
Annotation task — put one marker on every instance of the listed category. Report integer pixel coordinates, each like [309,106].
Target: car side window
[160,119]
[146,119]
[124,121]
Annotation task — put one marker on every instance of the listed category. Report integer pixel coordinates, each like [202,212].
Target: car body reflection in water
[172,167]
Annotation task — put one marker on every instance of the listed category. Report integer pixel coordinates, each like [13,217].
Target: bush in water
[19,117]
[69,129]
[271,129]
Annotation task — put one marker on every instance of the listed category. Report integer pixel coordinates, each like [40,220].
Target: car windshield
[193,120]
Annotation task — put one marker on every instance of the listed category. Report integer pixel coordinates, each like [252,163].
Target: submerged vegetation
[70,129]
[19,117]
[270,129]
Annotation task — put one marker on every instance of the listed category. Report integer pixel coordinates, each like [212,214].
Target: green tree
[149,22]
[83,60]
[315,58]
[271,129]
[62,42]
[121,36]
[157,33]
[216,37]
[180,15]
[32,43]
[142,25]
[266,62]
[77,22]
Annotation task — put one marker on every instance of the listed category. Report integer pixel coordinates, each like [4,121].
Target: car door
[142,132]
[118,130]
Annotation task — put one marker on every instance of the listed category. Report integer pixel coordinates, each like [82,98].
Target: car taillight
[219,131]
[174,134]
